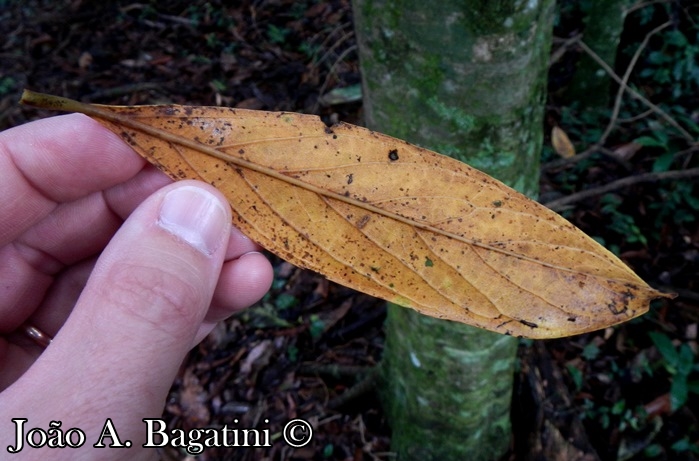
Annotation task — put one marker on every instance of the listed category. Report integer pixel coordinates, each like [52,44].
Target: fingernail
[195,216]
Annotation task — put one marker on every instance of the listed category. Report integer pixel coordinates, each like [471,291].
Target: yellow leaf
[387,218]
[561,143]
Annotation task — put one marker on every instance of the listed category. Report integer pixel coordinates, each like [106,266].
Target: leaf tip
[670,295]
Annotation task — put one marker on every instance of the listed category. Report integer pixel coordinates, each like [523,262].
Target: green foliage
[328,450]
[285,301]
[263,315]
[293,353]
[685,445]
[620,222]
[653,451]
[276,34]
[7,85]
[674,63]
[218,85]
[628,418]
[309,49]
[678,203]
[669,64]
[576,375]
[316,327]
[590,352]
[667,73]
[678,362]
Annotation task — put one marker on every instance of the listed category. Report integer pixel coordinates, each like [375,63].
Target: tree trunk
[465,78]
[604,23]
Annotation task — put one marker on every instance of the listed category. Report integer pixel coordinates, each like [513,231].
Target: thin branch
[324,86]
[563,49]
[335,370]
[636,117]
[346,36]
[365,386]
[587,153]
[623,85]
[559,204]
[636,94]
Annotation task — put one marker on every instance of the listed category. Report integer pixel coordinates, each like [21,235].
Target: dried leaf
[628,150]
[387,218]
[257,358]
[561,143]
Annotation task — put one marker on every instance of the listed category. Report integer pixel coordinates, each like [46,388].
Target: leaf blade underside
[387,218]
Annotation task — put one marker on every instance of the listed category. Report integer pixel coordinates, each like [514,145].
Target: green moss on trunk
[463,78]
[467,79]
[448,388]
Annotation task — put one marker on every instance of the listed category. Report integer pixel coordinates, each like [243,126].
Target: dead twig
[595,149]
[346,36]
[331,71]
[365,386]
[623,85]
[334,370]
[563,49]
[664,115]
[559,204]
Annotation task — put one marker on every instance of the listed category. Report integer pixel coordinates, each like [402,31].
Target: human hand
[121,321]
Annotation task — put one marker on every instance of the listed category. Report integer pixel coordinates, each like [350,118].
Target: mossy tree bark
[604,23]
[466,78]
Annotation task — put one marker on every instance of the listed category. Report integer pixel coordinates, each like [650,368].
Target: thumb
[119,351]
[153,284]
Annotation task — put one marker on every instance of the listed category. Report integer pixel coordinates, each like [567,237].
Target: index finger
[54,160]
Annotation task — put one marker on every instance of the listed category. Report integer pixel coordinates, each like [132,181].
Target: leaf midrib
[65,104]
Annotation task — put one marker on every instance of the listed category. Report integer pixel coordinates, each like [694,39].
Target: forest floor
[307,350]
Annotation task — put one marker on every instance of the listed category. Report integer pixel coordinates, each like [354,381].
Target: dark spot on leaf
[428,262]
[241,151]
[529,324]
[572,319]
[497,203]
[169,110]
[362,221]
[393,155]
[350,178]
